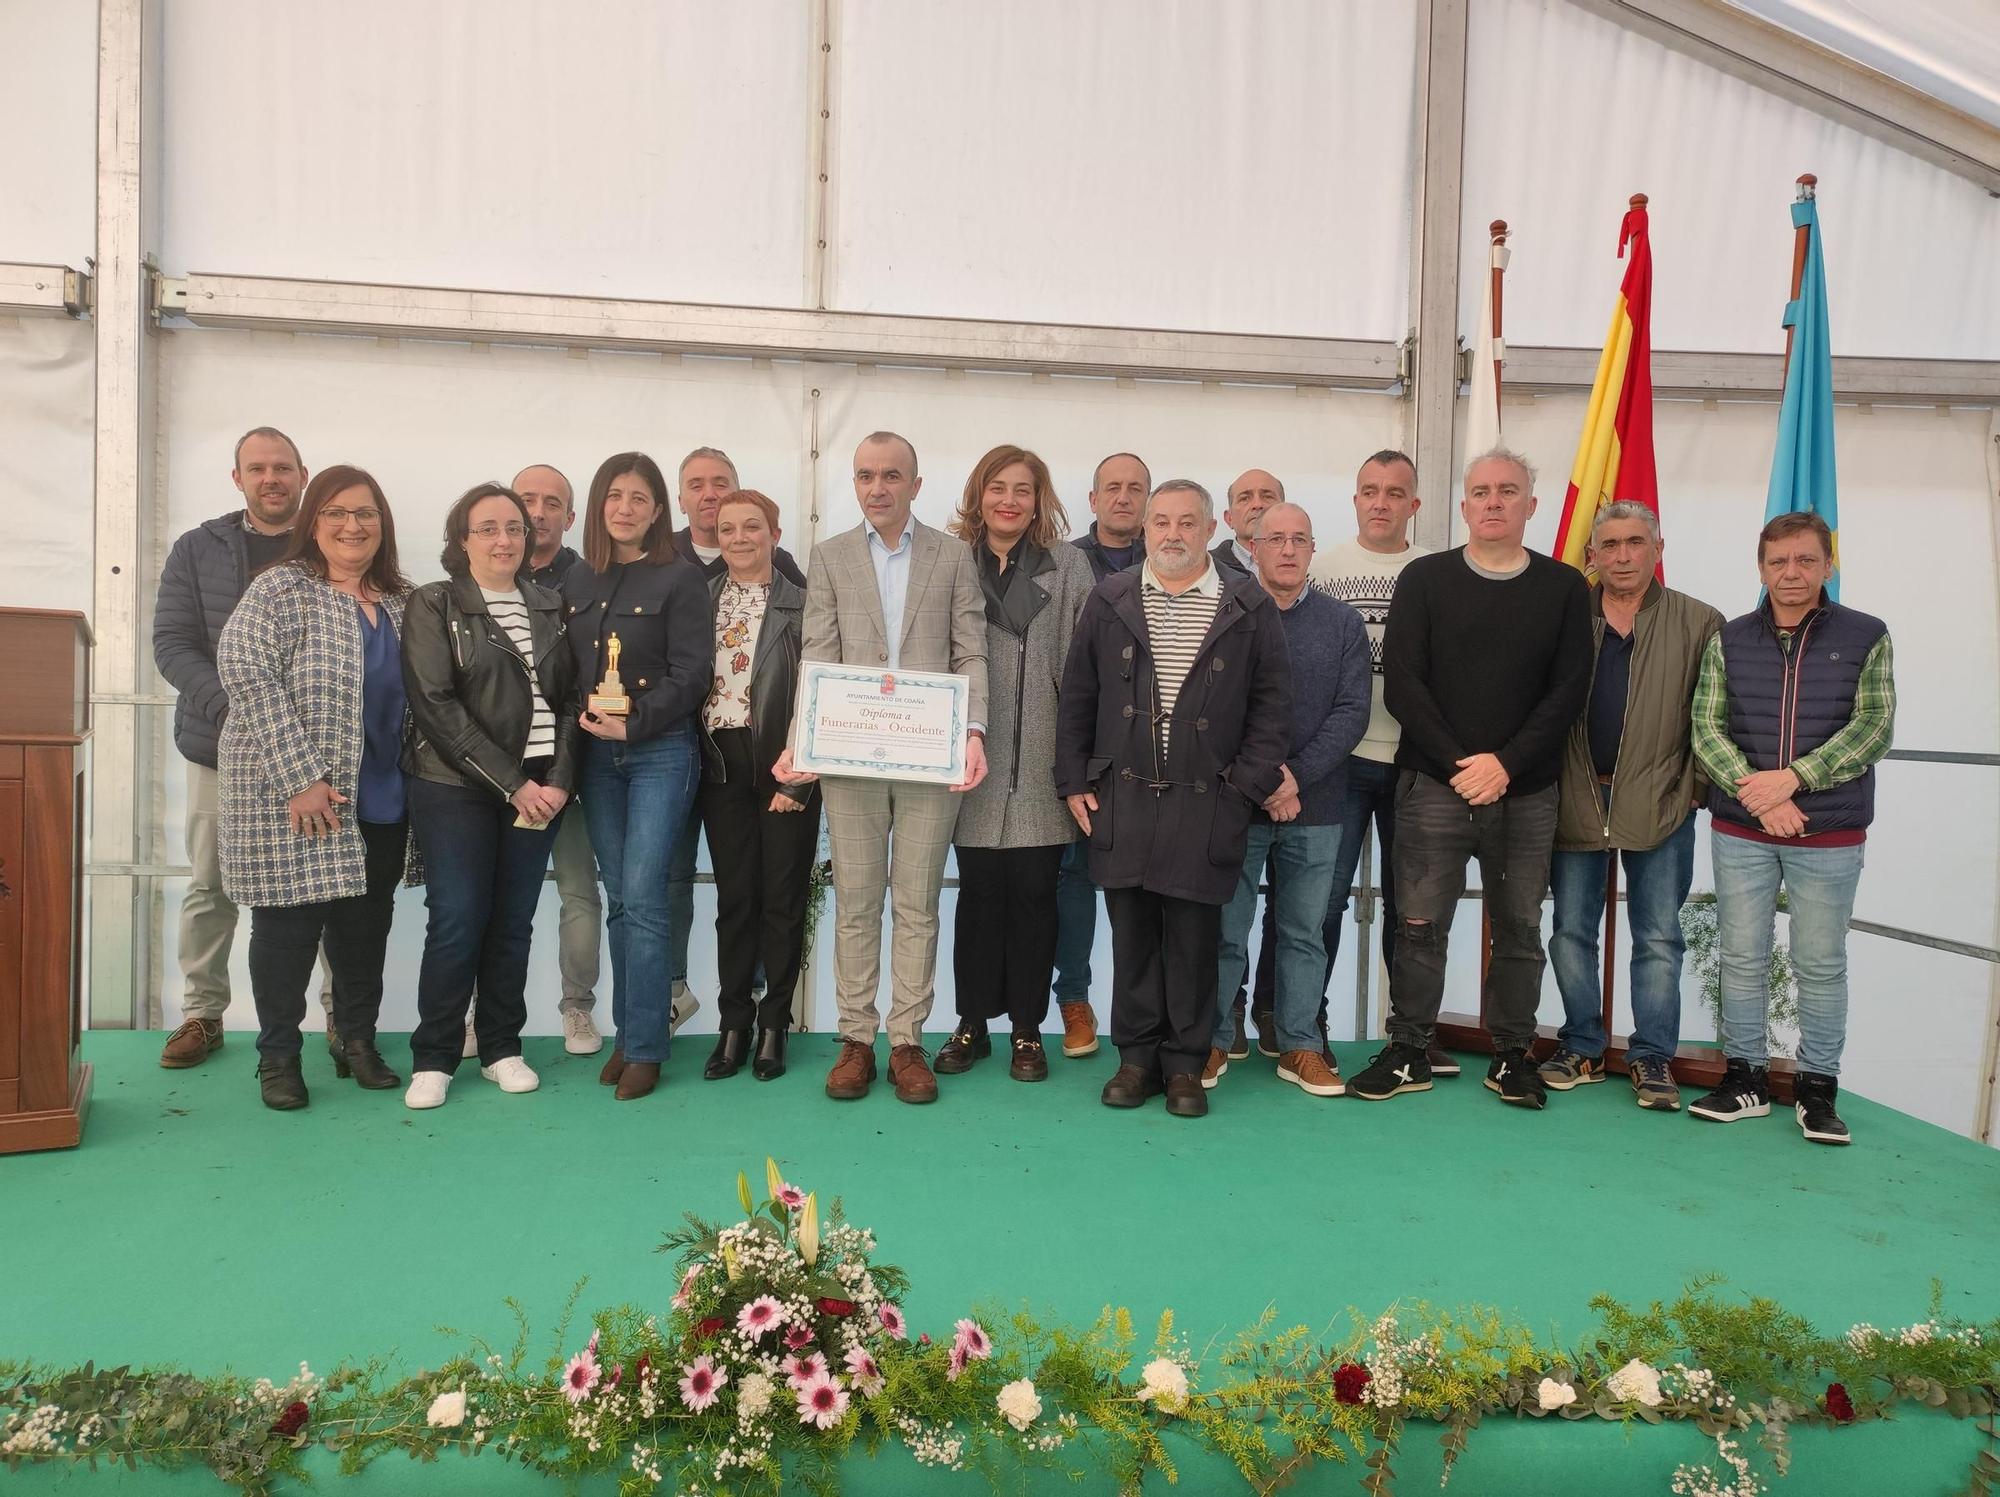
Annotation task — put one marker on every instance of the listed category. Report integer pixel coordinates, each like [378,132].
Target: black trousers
[1003,946]
[763,867]
[285,942]
[1163,980]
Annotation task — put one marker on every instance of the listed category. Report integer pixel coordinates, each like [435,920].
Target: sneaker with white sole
[511,1074]
[1745,1092]
[1310,1071]
[1566,1070]
[1216,1067]
[1396,1069]
[580,1036]
[685,1007]
[427,1089]
[1813,1098]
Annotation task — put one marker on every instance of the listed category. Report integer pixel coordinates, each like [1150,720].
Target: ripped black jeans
[1436,832]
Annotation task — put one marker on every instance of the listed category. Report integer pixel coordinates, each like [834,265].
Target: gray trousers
[208,917]
[886,835]
[580,930]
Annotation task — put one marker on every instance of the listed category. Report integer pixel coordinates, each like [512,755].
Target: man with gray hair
[1174,722]
[1628,791]
[1485,664]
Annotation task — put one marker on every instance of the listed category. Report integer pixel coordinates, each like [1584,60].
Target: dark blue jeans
[482,882]
[1076,924]
[636,798]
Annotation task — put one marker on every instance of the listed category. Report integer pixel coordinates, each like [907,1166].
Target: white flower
[1019,1404]
[753,1395]
[447,1411]
[1636,1382]
[1554,1395]
[1165,1382]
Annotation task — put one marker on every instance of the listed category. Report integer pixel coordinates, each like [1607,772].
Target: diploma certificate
[885,725]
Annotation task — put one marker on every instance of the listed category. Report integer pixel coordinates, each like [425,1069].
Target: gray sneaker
[1566,1069]
[1653,1085]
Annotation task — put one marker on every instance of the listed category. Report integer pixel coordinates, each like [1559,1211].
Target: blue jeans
[636,798]
[1371,795]
[1076,924]
[1656,886]
[1302,860]
[1819,883]
[482,881]
[680,893]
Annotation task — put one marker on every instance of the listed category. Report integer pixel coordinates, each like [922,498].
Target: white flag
[1482,425]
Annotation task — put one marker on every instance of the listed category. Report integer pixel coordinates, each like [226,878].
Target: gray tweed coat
[291,660]
[1016,805]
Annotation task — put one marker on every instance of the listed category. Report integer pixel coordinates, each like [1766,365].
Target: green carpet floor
[194,1227]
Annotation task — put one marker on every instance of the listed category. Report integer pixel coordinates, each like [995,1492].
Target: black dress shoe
[965,1046]
[283,1083]
[1031,1061]
[360,1059]
[731,1045]
[770,1062]
[1185,1098]
[1130,1086]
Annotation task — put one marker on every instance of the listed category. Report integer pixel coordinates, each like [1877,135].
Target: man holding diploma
[891,594]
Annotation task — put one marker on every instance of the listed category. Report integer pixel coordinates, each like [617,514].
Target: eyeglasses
[1286,542]
[339,517]
[514,530]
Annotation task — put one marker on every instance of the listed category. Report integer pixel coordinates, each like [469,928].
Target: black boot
[360,1059]
[283,1082]
[770,1061]
[731,1045]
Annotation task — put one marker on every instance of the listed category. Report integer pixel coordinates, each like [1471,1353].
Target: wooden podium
[44,721]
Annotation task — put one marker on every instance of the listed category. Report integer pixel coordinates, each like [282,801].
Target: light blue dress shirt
[892,584]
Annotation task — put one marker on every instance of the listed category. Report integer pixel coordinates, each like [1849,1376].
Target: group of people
[1178,724]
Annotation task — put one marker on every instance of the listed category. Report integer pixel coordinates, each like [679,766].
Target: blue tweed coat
[291,660]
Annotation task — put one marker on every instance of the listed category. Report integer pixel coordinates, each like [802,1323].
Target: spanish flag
[1614,457]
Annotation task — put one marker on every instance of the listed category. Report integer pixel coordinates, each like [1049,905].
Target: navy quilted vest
[1784,703]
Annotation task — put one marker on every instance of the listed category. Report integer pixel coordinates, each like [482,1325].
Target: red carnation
[711,1326]
[830,1306]
[291,1421]
[1348,1381]
[1838,1404]
[641,1367]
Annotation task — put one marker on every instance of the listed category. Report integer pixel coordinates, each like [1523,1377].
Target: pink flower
[957,1366]
[591,1346]
[798,1336]
[701,1383]
[802,1370]
[892,1321]
[974,1340]
[762,1314]
[581,1375]
[867,1376]
[685,1292]
[791,1197]
[822,1402]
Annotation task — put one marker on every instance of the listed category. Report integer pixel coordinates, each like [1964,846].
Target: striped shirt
[1176,624]
[510,612]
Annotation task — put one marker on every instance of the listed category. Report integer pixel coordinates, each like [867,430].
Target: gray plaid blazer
[944,612]
[290,659]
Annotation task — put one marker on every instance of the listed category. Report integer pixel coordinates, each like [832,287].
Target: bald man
[1253,492]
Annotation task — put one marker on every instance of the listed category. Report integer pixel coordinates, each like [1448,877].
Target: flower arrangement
[784,1346]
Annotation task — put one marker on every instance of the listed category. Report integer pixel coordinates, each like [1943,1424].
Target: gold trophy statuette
[609,700]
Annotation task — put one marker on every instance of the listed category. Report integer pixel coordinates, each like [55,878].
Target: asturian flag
[1614,457]
[1802,476]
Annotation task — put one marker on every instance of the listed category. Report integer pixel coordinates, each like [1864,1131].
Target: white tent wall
[48,163]
[45,432]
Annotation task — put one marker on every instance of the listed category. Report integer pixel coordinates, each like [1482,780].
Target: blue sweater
[1331,690]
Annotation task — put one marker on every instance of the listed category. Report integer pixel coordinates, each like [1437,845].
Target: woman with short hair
[315,827]
[762,834]
[1012,827]
[492,689]
[629,606]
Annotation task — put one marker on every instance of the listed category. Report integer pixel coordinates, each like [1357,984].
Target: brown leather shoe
[852,1073]
[1185,1098]
[910,1070]
[613,1068]
[1079,1030]
[1218,1062]
[637,1080]
[192,1043]
[1309,1072]
[1129,1086]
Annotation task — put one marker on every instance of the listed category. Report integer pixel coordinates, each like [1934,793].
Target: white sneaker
[427,1089]
[685,1006]
[580,1036]
[512,1074]
[471,1046]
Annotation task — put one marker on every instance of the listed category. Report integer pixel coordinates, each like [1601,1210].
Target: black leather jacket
[774,688]
[666,636]
[470,705]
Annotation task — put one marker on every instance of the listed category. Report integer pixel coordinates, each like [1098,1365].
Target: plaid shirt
[1843,757]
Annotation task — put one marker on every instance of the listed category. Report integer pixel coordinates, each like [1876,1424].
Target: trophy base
[608,706]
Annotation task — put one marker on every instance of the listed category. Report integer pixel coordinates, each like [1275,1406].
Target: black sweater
[1471,665]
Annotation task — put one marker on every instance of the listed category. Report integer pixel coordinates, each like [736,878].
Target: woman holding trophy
[640,632]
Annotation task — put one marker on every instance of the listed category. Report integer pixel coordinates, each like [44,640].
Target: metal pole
[1433,363]
[1364,925]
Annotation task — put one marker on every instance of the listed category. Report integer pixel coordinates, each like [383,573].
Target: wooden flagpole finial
[1498,230]
[1638,200]
[1808,186]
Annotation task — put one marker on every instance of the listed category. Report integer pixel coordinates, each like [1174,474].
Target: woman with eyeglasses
[315,826]
[492,761]
[632,611]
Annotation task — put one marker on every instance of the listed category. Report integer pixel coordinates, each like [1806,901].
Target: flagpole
[1496,279]
[1497,232]
[1801,236]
